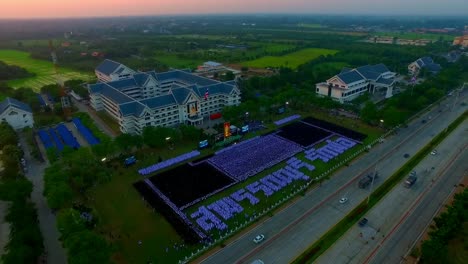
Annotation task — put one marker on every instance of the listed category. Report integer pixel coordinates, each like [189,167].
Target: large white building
[161,99]
[18,114]
[350,83]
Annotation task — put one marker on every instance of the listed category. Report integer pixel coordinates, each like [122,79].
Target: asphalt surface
[47,221]
[290,232]
[402,215]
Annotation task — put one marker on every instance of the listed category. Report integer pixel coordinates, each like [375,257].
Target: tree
[369,113]
[87,247]
[69,222]
[229,76]
[190,132]
[7,135]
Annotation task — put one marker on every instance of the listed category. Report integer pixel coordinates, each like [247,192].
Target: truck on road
[367,180]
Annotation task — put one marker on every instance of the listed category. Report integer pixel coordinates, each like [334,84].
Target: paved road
[47,222]
[4,227]
[397,220]
[289,232]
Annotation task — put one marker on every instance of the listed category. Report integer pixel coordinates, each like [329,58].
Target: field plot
[176,61]
[414,35]
[291,60]
[44,70]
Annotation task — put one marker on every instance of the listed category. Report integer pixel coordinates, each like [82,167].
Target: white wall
[17,118]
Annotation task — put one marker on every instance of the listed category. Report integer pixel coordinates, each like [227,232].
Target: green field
[272,47]
[176,61]
[306,25]
[412,35]
[44,70]
[291,60]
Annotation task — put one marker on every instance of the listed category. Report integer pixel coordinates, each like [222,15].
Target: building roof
[346,69]
[108,67]
[159,101]
[132,108]
[350,77]
[385,81]
[212,64]
[184,77]
[429,64]
[117,96]
[181,94]
[13,103]
[372,72]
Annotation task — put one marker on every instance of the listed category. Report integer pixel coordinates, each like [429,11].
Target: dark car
[363,222]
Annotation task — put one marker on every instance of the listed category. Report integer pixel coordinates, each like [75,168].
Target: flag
[206,94]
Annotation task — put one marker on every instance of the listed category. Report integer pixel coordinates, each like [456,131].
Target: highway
[402,215]
[289,232]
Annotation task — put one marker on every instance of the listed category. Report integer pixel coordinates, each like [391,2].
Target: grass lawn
[175,61]
[44,70]
[110,122]
[291,60]
[272,47]
[125,219]
[413,35]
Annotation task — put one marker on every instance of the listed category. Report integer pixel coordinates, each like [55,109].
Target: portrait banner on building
[227,129]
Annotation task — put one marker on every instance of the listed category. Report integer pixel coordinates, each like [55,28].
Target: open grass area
[414,35]
[175,61]
[125,219]
[44,70]
[291,60]
[272,47]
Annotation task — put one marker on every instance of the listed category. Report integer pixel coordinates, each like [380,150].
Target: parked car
[363,222]
[259,238]
[434,152]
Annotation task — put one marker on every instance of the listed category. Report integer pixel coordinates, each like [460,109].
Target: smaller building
[18,114]
[462,41]
[210,66]
[423,63]
[109,71]
[351,83]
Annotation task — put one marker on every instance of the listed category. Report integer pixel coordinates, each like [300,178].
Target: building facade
[18,114]
[162,99]
[351,83]
[425,62]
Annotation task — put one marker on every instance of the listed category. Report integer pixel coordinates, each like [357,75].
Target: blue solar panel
[56,139]
[67,136]
[87,134]
[45,138]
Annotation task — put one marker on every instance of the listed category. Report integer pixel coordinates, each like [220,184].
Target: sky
[98,8]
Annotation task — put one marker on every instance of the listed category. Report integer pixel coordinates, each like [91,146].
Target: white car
[259,239]
[434,152]
[343,200]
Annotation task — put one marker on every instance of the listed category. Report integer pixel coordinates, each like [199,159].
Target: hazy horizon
[33,9]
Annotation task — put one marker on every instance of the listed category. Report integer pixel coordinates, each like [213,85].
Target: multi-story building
[18,114]
[162,99]
[350,83]
[424,62]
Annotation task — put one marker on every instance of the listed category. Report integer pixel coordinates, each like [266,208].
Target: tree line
[25,243]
